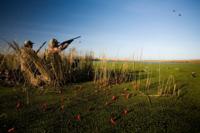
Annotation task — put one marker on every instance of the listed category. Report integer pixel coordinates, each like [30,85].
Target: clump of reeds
[110,73]
[77,68]
[168,87]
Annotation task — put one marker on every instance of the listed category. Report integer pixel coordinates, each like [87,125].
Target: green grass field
[88,107]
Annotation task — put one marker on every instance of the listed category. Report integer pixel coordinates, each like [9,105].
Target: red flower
[113,122]
[78,117]
[114,98]
[125,112]
[18,105]
[11,130]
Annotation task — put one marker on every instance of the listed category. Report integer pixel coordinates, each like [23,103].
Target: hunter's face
[31,46]
[55,44]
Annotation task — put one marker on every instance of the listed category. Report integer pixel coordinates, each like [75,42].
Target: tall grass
[111,73]
[104,73]
[168,87]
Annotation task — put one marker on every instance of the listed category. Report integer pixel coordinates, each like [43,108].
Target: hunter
[54,60]
[34,71]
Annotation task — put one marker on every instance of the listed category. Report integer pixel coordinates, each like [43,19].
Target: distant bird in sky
[174,11]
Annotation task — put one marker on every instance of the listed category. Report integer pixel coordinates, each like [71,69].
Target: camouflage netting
[33,67]
[53,70]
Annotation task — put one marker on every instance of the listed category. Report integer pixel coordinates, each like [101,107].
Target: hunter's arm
[62,47]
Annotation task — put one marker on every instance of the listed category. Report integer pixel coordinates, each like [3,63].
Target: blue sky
[115,28]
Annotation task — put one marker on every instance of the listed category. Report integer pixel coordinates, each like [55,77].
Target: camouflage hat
[53,43]
[28,43]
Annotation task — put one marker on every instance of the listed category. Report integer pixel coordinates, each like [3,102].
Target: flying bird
[174,11]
